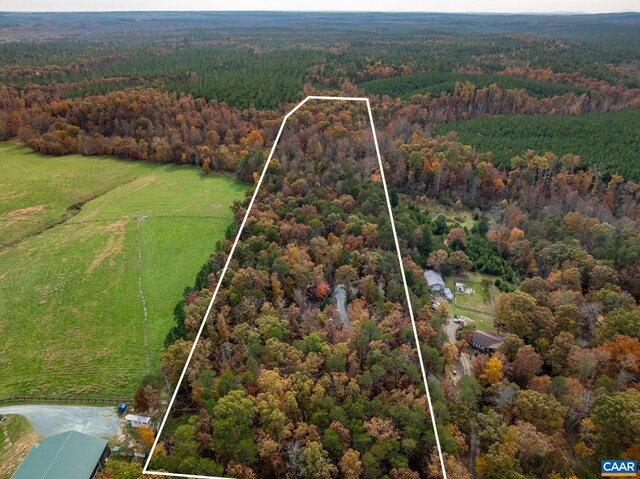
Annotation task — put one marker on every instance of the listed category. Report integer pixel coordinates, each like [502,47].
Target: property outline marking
[226,266]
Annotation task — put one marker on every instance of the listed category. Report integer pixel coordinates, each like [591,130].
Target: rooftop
[433,278]
[69,455]
[136,418]
[487,340]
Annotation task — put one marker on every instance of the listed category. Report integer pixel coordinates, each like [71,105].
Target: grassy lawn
[72,319]
[483,322]
[16,438]
[477,306]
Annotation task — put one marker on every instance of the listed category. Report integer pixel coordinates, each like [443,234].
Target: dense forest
[308,366]
[301,386]
[542,406]
[436,84]
[614,138]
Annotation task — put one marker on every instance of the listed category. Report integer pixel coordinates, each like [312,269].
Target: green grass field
[611,140]
[16,438]
[477,306]
[71,312]
[38,192]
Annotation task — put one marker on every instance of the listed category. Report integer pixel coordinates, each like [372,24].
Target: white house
[137,421]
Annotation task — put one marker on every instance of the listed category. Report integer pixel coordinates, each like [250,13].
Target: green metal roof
[70,455]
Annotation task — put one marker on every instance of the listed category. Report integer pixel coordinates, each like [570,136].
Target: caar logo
[618,468]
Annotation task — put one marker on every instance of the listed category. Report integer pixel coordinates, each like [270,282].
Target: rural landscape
[131,146]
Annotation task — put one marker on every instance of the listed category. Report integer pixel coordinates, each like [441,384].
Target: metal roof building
[69,455]
[434,280]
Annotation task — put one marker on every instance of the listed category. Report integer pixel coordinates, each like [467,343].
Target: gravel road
[49,420]
[464,362]
[340,294]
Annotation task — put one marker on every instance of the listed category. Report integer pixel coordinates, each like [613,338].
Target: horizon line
[421,12]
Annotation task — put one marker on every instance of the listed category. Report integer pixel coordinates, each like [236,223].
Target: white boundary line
[226,266]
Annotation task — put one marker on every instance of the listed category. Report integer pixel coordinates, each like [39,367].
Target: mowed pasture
[84,241]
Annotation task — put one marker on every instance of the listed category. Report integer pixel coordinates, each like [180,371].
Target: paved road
[340,294]
[49,420]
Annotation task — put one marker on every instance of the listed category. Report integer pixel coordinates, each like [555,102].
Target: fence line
[471,308]
[53,399]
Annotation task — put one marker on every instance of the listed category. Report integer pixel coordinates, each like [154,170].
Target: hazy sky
[511,6]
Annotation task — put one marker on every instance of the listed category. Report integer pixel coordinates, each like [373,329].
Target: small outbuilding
[434,280]
[138,421]
[69,455]
[486,342]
